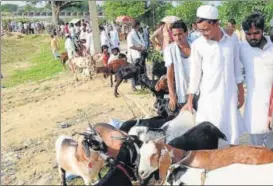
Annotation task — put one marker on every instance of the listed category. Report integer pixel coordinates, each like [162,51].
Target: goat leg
[119,80]
[62,176]
[111,80]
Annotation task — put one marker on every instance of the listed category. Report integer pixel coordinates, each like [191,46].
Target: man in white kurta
[256,54]
[176,57]
[215,71]
[114,37]
[104,38]
[69,46]
[136,45]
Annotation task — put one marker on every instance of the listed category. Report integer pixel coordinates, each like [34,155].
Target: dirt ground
[32,115]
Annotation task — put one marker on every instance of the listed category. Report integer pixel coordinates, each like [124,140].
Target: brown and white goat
[84,63]
[84,157]
[156,155]
[107,132]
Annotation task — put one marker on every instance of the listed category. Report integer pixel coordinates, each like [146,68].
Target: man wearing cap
[215,72]
[256,56]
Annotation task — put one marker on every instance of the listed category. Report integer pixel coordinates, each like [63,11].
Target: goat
[155,155]
[82,63]
[82,158]
[159,69]
[130,71]
[106,132]
[63,58]
[202,136]
[154,122]
[234,174]
[172,128]
[124,169]
[112,68]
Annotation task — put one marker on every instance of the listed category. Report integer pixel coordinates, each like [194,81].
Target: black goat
[158,69]
[130,71]
[127,125]
[125,168]
[201,137]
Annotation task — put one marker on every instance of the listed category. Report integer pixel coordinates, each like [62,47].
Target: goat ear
[165,162]
[160,140]
[86,148]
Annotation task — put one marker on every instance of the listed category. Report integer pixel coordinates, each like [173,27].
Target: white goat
[171,129]
[235,174]
[178,126]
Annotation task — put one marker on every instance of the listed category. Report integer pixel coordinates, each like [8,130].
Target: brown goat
[63,58]
[107,132]
[162,84]
[157,155]
[112,68]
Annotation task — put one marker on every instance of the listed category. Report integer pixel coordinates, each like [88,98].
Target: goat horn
[118,138]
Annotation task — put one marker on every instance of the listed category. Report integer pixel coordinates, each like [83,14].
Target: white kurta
[89,43]
[114,38]
[134,40]
[258,65]
[104,39]
[173,55]
[215,69]
[70,48]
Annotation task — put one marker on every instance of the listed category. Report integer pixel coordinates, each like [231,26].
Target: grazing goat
[82,63]
[234,174]
[157,155]
[202,136]
[130,71]
[112,68]
[83,158]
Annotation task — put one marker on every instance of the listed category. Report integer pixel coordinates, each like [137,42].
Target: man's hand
[241,95]
[172,102]
[270,123]
[188,106]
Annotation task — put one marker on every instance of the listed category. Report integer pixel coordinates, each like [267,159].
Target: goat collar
[121,167]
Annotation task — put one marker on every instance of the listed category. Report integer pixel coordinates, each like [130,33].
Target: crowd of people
[30,27]
[203,63]
[207,63]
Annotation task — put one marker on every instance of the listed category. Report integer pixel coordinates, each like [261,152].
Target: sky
[22,3]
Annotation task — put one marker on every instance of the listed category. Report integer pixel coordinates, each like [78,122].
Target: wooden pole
[95,26]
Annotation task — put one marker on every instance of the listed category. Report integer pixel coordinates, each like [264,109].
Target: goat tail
[220,134]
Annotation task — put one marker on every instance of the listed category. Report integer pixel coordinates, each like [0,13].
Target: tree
[186,11]
[57,7]
[238,10]
[9,8]
[113,9]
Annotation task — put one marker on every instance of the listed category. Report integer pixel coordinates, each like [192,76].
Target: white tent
[74,21]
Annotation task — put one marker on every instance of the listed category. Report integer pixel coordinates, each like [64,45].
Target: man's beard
[255,42]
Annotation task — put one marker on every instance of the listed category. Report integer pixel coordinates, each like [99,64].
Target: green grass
[34,51]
